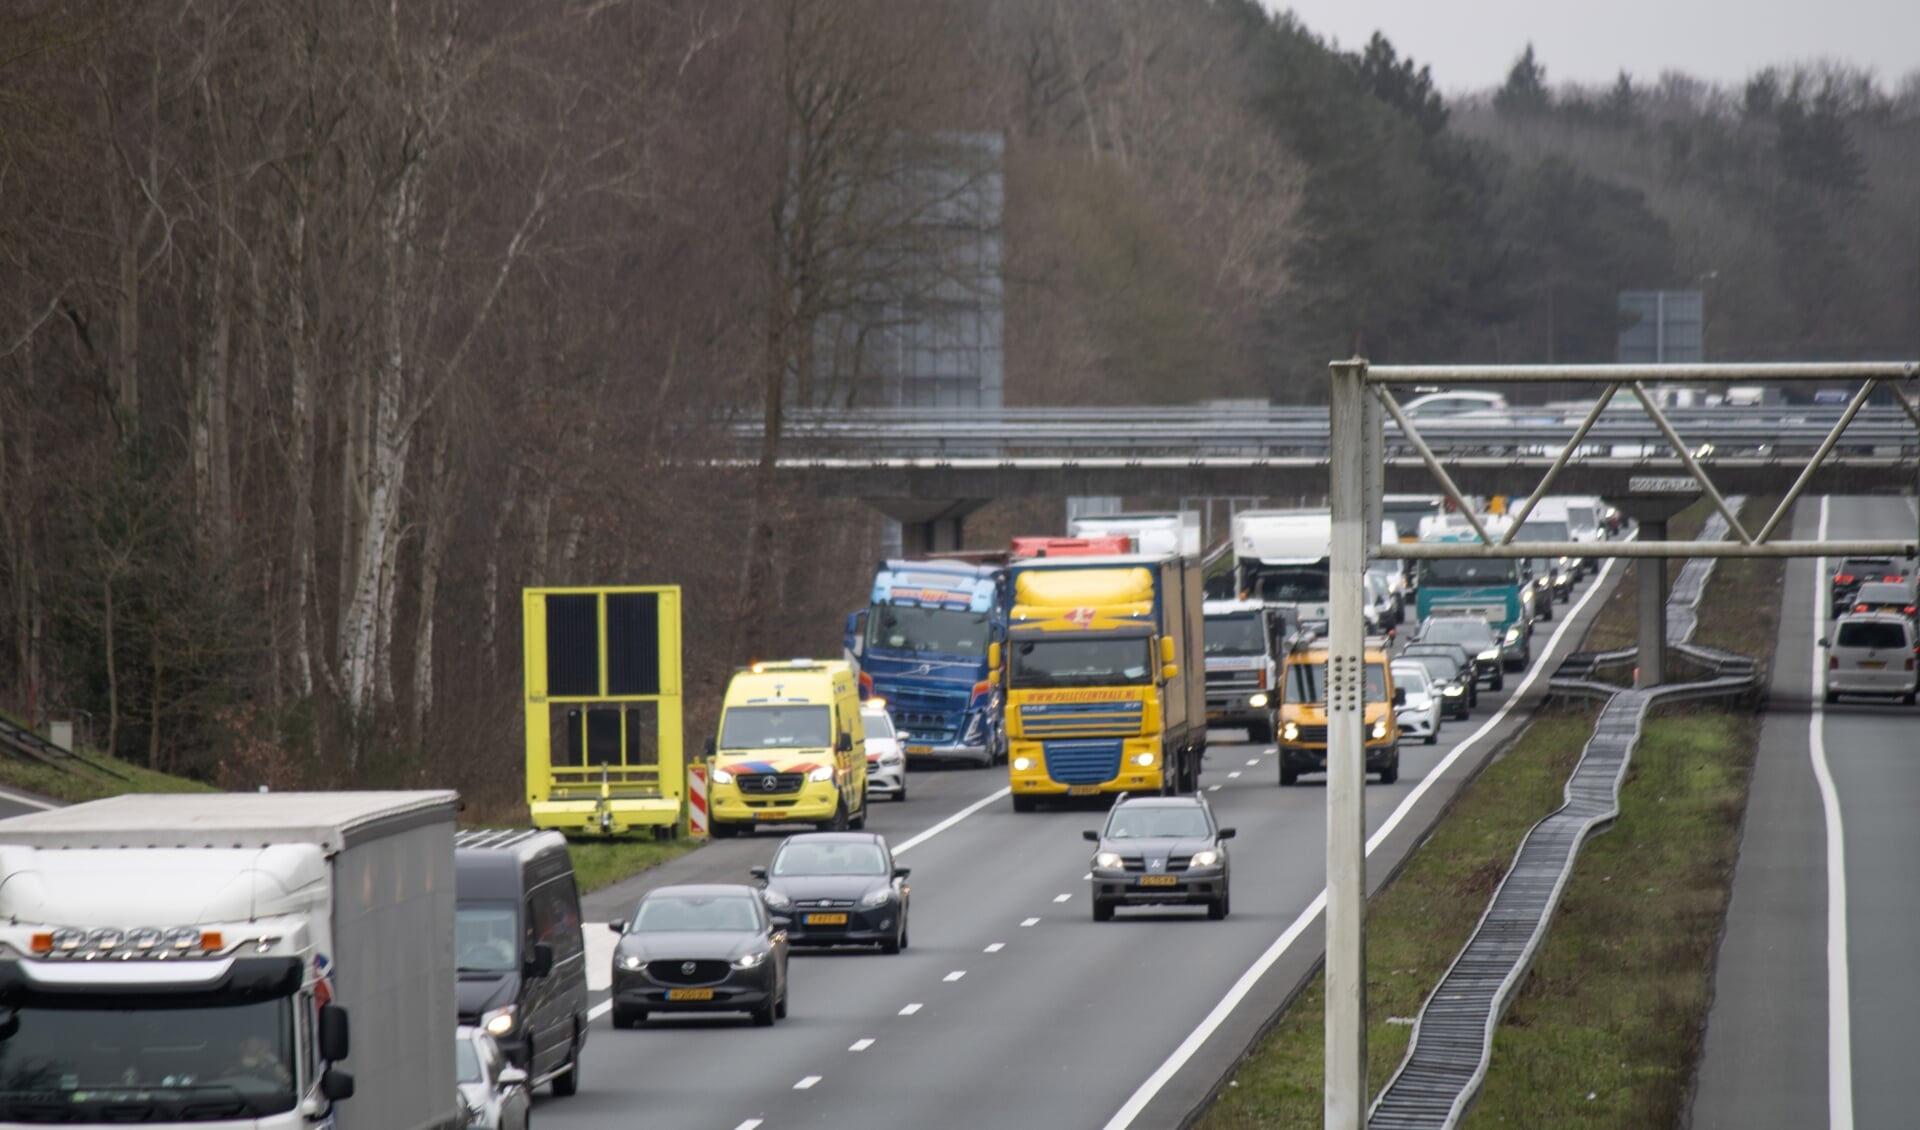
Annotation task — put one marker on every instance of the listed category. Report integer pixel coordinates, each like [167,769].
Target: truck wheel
[568,1081]
[839,821]
[1022,803]
[1102,911]
[721,831]
[1392,772]
[859,820]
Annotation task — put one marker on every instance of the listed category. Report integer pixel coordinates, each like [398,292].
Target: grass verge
[46,781]
[602,863]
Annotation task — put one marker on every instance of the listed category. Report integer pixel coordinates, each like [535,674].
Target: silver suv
[1872,653]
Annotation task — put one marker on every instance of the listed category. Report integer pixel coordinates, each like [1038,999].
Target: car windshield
[486,937]
[466,1061]
[1412,679]
[1880,592]
[1459,572]
[776,727]
[1440,668]
[695,912]
[878,722]
[1872,634]
[1235,635]
[1148,822]
[929,631]
[805,858]
[94,1061]
[1306,682]
[1461,630]
[1066,661]
[1868,569]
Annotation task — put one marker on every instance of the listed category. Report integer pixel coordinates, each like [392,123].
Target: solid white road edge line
[1839,994]
[1124,1117]
[923,837]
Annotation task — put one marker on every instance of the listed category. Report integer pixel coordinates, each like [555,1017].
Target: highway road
[1011,1007]
[1816,985]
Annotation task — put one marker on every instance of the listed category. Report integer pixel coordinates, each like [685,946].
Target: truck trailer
[192,960]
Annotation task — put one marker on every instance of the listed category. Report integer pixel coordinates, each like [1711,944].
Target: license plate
[919,749]
[1871,664]
[1083,790]
[689,994]
[826,920]
[1158,881]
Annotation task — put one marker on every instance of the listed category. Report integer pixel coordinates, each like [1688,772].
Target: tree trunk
[433,546]
[113,674]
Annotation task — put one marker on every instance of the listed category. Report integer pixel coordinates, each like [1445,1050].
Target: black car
[700,947]
[1852,572]
[838,888]
[1449,670]
[1160,851]
[1479,639]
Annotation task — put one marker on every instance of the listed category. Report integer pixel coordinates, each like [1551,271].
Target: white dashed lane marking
[910,1009]
[861,1045]
[955,975]
[1213,788]
[1030,922]
[1253,761]
[749,1124]
[996,947]
[1065,897]
[1233,774]
[807,1083]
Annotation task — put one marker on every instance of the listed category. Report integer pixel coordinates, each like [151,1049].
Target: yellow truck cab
[1303,713]
[791,749]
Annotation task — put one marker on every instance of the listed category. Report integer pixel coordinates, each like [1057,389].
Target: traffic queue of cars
[1874,642]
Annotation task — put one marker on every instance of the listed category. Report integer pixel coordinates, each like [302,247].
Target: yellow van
[791,749]
[1303,713]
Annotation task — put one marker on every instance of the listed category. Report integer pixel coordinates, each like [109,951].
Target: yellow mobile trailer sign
[603,709]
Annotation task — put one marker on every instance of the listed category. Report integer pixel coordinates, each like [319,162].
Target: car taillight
[1893,580]
[1909,662]
[1909,609]
[1859,608]
[1833,663]
[1843,578]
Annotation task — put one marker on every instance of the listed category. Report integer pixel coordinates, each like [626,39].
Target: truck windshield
[1307,682]
[1465,572]
[776,727]
[486,938]
[1538,529]
[1235,635]
[1290,585]
[934,631]
[183,1063]
[1079,662]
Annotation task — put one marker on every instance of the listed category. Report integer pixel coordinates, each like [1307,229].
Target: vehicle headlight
[1489,655]
[499,1022]
[1453,690]
[1109,861]
[721,776]
[1205,858]
[1289,732]
[1023,763]
[1513,634]
[750,961]
[820,773]
[1256,701]
[630,961]
[879,896]
[1379,728]
[890,759]
[775,899]
[1143,759]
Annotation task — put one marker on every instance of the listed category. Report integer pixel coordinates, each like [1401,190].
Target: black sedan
[1451,668]
[1160,851]
[838,888]
[706,947]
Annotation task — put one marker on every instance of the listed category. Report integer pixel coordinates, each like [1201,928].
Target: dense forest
[326,328]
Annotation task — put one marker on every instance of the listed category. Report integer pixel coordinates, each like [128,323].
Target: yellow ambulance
[791,749]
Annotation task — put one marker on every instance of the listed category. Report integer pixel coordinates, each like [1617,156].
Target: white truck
[191,961]
[1158,533]
[1281,557]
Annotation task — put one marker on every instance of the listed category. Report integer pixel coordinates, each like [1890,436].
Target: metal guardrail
[1452,1041]
[21,742]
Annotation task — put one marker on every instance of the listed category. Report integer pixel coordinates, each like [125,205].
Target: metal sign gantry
[1361,398]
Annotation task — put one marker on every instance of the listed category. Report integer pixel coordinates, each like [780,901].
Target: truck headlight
[499,1022]
[879,896]
[1206,858]
[1109,861]
[1289,732]
[1143,759]
[820,773]
[1023,763]
[1379,728]
[1257,701]
[721,776]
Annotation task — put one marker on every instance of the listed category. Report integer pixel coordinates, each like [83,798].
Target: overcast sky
[1471,44]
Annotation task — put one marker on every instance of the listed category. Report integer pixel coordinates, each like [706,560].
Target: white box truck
[192,960]
[1156,533]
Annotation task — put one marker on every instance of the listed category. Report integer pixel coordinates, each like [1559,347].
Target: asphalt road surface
[1011,1007]
[1816,985]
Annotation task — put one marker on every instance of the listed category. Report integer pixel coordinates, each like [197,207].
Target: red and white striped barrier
[697,799]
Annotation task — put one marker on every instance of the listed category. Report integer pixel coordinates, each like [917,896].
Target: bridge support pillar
[1652,668]
[929,527]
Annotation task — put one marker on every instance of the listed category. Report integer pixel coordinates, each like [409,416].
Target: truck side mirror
[335,1036]
[1166,650]
[710,745]
[1169,670]
[335,1085]
[845,744]
[993,656]
[541,963]
[1399,696]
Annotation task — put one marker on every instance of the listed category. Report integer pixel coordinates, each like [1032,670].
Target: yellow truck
[1103,677]
[1303,713]
[791,749]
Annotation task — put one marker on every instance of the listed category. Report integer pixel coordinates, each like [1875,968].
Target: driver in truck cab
[791,749]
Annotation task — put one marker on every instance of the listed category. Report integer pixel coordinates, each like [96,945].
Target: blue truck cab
[1496,589]
[922,644]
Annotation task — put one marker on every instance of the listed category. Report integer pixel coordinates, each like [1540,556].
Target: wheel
[1288,777]
[901,794]
[567,1082]
[1473,697]
[1547,612]
[627,1017]
[763,1015]
[780,1006]
[1102,911]
[1909,698]
[721,831]
[839,821]
[1500,681]
[1392,772]
[1832,697]
[1217,909]
[1259,732]
[905,927]
[860,819]
[892,945]
[1433,736]
[1022,803]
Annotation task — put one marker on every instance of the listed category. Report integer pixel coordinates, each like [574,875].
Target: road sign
[1659,484]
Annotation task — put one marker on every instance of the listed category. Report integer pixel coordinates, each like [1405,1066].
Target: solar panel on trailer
[633,643]
[573,644]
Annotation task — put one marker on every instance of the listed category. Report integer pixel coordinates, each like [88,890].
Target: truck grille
[672,971]
[1223,680]
[928,716]
[1312,735]
[1075,719]
[759,784]
[1082,763]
